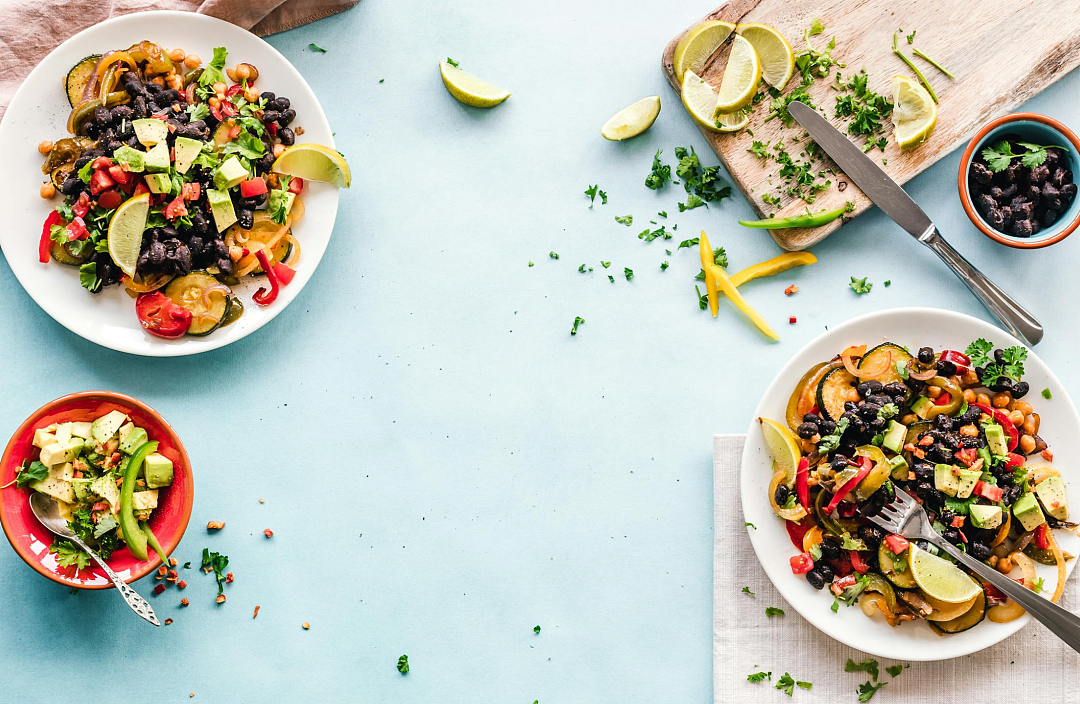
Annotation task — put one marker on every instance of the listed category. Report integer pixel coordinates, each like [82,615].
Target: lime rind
[940,578]
[782,446]
[470,90]
[697,45]
[632,120]
[314,162]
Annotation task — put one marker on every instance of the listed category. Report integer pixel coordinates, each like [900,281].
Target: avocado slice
[945,480]
[1051,494]
[106,426]
[894,436]
[983,516]
[158,183]
[158,471]
[899,468]
[921,406]
[150,131]
[995,439]
[131,442]
[185,150]
[156,159]
[1027,511]
[221,208]
[130,156]
[230,173]
[967,480]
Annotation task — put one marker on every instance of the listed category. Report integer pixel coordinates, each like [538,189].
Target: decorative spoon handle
[138,604]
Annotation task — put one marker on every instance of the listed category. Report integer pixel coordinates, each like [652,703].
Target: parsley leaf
[759,676]
[692,242]
[664,266]
[746,590]
[660,173]
[316,47]
[816,27]
[455,65]
[894,670]
[979,352]
[536,629]
[803,685]
[403,664]
[1046,394]
[69,555]
[786,684]
[578,320]
[592,191]
[216,562]
[628,273]
[832,441]
[759,149]
[627,220]
[88,277]
[860,286]
[553,254]
[31,471]
[869,666]
[749,525]
[692,201]
[866,690]
[213,72]
[771,611]
[605,264]
[999,155]
[959,506]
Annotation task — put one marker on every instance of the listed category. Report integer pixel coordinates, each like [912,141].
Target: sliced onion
[867,372]
[297,210]
[150,283]
[1023,540]
[1027,566]
[224,290]
[294,257]
[1003,613]
[1060,588]
[922,376]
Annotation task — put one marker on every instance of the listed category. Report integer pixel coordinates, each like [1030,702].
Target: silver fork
[907,517]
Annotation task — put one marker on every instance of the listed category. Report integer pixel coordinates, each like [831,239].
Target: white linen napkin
[1031,666]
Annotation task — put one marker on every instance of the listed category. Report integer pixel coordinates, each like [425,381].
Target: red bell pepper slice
[296,185]
[896,544]
[987,491]
[234,89]
[843,491]
[797,529]
[858,562]
[76,229]
[119,174]
[961,360]
[843,583]
[1042,537]
[110,199]
[228,109]
[802,486]
[45,243]
[234,131]
[253,187]
[967,455]
[801,563]
[159,316]
[262,297]
[216,112]
[100,181]
[943,399]
[286,273]
[1003,420]
[81,206]
[176,208]
[191,190]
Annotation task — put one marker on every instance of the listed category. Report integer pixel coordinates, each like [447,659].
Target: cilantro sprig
[1000,155]
[1012,361]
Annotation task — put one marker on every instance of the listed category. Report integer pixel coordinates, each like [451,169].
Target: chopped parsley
[692,242]
[888,283]
[660,173]
[578,320]
[867,690]
[69,555]
[860,286]
[786,684]
[650,235]
[911,37]
[664,266]
[869,666]
[536,630]
[1046,394]
[832,441]
[703,299]
[703,183]
[216,562]
[759,149]
[583,270]
[451,62]
[553,254]
[316,47]
[692,201]
[531,263]
[403,662]
[593,191]
[628,273]
[812,63]
[759,676]
[627,220]
[605,264]
[771,611]
[746,590]
[894,670]
[662,213]
[748,524]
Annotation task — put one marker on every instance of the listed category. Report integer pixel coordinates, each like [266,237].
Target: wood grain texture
[1002,53]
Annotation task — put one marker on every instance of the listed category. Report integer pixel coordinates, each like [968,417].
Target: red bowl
[31,540]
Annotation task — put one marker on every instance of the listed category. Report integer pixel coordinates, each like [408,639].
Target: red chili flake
[182,584]
[159,588]
[215,525]
[791,320]
[790,290]
[1047,455]
[220,599]
[228,578]
[256,611]
[168,622]
[184,602]
[172,562]
[268,533]
[161,570]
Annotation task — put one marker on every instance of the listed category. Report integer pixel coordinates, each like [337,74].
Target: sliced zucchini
[61,252]
[972,618]
[904,580]
[913,432]
[832,392]
[189,293]
[899,354]
[78,77]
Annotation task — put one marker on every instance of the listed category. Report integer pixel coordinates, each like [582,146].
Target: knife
[898,205]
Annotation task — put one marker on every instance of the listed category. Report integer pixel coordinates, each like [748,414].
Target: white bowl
[913,328]
[39,111]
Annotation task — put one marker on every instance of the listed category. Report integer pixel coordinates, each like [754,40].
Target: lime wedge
[699,99]
[741,76]
[314,162]
[698,44]
[469,89]
[126,232]
[632,121]
[914,112]
[777,57]
[939,578]
[783,447]
[732,121]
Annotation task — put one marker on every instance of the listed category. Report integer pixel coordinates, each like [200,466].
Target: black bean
[1020,389]
[268,96]
[981,173]
[167,96]
[286,117]
[826,427]
[926,355]
[153,88]
[282,103]
[980,551]
[946,368]
[225,265]
[245,218]
[830,550]
[1039,174]
[156,253]
[71,186]
[269,116]
[220,247]
[871,535]
[286,136]
[815,578]
[943,422]
[951,534]
[781,494]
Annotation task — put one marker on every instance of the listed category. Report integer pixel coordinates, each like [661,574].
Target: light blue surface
[444,467]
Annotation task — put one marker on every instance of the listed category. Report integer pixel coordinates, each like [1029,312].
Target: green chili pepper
[806,220]
[153,541]
[133,535]
[956,397]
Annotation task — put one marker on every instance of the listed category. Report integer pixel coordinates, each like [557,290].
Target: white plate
[39,111]
[914,328]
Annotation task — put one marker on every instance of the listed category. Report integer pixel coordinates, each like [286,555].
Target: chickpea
[215,102]
[909,419]
[176,55]
[933,391]
[219,87]
[158,80]
[1016,418]
[231,73]
[47,190]
[969,430]
[1004,565]
[984,399]
[970,378]
[1029,425]
[236,253]
[1036,420]
[993,560]
[174,81]
[1027,444]
[815,438]
[1024,407]
[1001,400]
[969,395]
[298,131]
[852,394]
[243,72]
[251,95]
[279,149]
[192,61]
[44,147]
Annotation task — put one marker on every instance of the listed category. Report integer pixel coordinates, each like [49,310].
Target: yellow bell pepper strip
[710,281]
[152,540]
[133,534]
[807,219]
[723,282]
[774,266]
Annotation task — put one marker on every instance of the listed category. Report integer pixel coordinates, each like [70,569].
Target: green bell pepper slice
[152,540]
[807,219]
[133,534]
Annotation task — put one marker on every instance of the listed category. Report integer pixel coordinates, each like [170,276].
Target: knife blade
[898,205]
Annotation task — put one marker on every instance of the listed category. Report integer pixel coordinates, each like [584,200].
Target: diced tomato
[110,199]
[100,181]
[76,229]
[896,544]
[1014,461]
[191,191]
[943,400]
[957,521]
[176,208]
[140,189]
[119,174]
[296,185]
[858,562]
[843,583]
[234,131]
[253,187]
[159,316]
[286,273]
[961,360]
[993,592]
[987,491]
[234,89]
[846,509]
[81,206]
[797,529]
[99,506]
[801,563]
[1042,537]
[102,162]
[160,116]
[216,112]
[967,455]
[45,243]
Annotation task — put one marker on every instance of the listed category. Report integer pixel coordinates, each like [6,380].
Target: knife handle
[1011,314]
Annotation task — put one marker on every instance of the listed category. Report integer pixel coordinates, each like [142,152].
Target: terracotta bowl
[31,540]
[1038,129]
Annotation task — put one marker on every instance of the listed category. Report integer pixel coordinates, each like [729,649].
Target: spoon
[47,511]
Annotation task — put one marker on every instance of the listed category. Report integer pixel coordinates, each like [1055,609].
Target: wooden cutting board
[1002,53]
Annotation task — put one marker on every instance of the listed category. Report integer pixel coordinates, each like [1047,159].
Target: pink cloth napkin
[32,28]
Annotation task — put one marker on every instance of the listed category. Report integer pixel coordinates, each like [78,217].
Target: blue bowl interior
[1036,133]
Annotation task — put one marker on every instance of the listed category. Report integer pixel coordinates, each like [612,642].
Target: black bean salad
[1021,188]
[952,429]
[177,181]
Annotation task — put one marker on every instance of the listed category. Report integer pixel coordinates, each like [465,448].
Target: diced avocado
[43,438]
[125,429]
[280,200]
[921,406]
[894,436]
[221,207]
[132,157]
[945,480]
[1027,511]
[150,131]
[158,183]
[899,468]
[158,471]
[984,455]
[81,429]
[185,150]
[1051,493]
[81,488]
[63,433]
[995,439]
[967,481]
[57,454]
[983,516]
[229,173]
[57,484]
[143,500]
[106,426]
[136,437]
[156,159]
[106,488]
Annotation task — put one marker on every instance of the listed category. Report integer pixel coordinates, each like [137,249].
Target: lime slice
[783,447]
[469,89]
[632,121]
[314,162]
[741,77]
[126,231]
[697,45]
[732,121]
[914,113]
[699,99]
[777,57]
[939,578]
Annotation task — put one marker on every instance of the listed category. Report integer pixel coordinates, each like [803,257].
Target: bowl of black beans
[1017,180]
